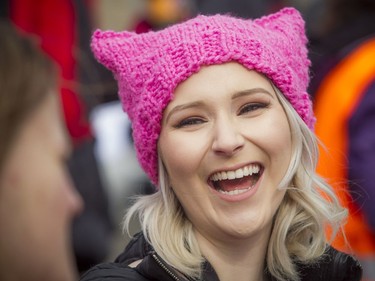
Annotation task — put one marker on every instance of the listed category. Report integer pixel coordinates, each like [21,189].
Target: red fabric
[55,23]
[143,27]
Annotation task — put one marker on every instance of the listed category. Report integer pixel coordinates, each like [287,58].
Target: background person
[343,85]
[63,28]
[37,199]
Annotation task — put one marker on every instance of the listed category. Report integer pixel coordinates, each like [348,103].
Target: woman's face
[226,145]
[37,201]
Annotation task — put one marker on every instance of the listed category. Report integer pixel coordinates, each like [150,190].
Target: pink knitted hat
[149,66]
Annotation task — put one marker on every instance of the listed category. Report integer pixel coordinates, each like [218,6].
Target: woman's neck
[236,259]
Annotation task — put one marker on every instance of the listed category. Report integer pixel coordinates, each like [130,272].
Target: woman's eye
[189,122]
[252,107]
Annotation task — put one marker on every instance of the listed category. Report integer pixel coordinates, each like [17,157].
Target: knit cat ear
[288,21]
[289,39]
[106,46]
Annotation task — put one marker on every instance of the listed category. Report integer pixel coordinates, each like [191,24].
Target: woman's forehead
[230,77]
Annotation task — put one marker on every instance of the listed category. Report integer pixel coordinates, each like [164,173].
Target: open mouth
[237,181]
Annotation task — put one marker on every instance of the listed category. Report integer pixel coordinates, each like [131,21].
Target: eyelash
[189,122]
[252,107]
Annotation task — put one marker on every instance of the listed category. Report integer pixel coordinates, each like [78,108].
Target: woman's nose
[74,200]
[227,138]
[77,203]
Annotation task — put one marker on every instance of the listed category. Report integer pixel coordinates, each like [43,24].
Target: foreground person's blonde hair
[298,233]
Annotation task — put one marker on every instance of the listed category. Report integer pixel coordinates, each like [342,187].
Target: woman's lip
[238,197]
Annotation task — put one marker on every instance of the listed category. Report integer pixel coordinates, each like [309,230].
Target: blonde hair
[298,233]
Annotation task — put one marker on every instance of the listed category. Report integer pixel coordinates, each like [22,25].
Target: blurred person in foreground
[223,127]
[63,29]
[37,198]
[343,86]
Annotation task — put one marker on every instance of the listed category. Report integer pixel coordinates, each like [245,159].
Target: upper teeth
[236,174]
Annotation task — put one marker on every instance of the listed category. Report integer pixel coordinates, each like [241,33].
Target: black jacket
[335,266]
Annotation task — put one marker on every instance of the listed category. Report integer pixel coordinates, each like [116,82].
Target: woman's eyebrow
[200,103]
[182,107]
[251,92]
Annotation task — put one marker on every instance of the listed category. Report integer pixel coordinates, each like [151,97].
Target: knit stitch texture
[149,66]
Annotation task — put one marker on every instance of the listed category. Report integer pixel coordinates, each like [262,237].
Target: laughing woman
[223,126]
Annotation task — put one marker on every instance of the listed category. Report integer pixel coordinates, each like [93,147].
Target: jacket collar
[152,265]
[333,265]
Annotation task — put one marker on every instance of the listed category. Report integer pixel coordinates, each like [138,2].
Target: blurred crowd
[102,163]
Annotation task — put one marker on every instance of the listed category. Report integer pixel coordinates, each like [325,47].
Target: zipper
[165,268]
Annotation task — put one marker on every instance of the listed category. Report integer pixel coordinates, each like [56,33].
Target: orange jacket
[336,99]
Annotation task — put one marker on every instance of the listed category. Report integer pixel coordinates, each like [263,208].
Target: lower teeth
[234,192]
